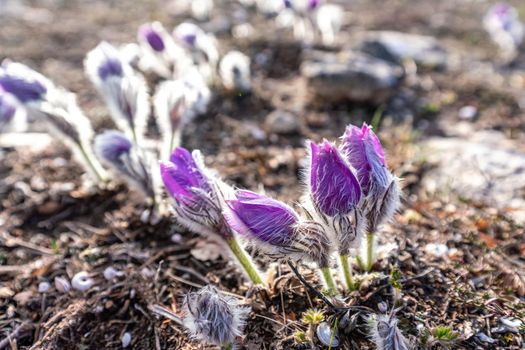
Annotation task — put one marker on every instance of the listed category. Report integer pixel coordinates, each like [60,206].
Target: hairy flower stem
[328,279]
[244,261]
[93,164]
[347,272]
[369,252]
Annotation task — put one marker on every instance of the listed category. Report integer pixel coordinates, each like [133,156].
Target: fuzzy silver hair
[381,207]
[385,334]
[214,318]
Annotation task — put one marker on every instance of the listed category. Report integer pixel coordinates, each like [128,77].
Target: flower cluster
[55,106]
[308,19]
[349,191]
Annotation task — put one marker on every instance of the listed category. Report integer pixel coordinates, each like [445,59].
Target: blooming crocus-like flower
[57,107]
[384,332]
[119,154]
[381,189]
[198,199]
[234,70]
[505,28]
[12,114]
[201,46]
[276,228]
[124,91]
[214,318]
[335,193]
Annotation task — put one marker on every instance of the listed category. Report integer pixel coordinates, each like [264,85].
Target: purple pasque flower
[313,4]
[365,153]
[196,193]
[261,217]
[333,186]
[381,189]
[124,91]
[334,194]
[276,229]
[150,34]
[22,82]
[117,152]
[187,34]
[212,317]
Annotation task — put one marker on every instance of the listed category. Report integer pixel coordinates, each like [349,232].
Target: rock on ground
[484,167]
[396,47]
[349,75]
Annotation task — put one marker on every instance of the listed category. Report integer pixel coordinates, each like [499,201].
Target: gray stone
[484,167]
[349,75]
[396,47]
[281,122]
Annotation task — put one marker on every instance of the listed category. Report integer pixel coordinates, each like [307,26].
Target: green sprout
[300,337]
[313,317]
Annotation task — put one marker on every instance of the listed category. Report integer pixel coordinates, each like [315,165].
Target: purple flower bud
[276,229]
[148,33]
[116,151]
[385,333]
[182,177]
[214,318]
[366,155]
[187,33]
[112,145]
[22,82]
[195,192]
[312,4]
[267,219]
[333,186]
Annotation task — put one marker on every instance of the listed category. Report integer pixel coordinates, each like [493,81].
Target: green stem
[228,346]
[347,272]
[93,164]
[244,261]
[369,252]
[328,279]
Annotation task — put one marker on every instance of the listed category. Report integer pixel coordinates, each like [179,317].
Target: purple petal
[111,145]
[312,4]
[24,88]
[366,155]
[334,187]
[153,38]
[261,217]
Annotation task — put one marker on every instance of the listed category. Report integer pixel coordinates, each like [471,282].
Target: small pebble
[111,273]
[438,250]
[485,338]
[176,238]
[126,339]
[82,282]
[43,287]
[62,284]
[467,112]
[281,122]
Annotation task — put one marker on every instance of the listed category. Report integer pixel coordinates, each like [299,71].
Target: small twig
[310,287]
[162,311]
[22,328]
